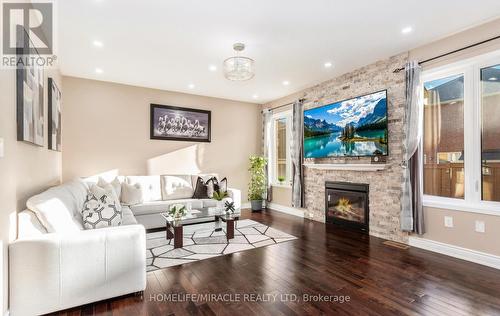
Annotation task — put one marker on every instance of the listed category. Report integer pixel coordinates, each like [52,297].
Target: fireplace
[347,204]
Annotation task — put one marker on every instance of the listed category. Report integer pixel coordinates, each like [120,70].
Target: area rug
[201,241]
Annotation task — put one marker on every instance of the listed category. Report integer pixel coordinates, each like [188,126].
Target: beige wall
[282,196]
[457,41]
[106,127]
[463,232]
[26,169]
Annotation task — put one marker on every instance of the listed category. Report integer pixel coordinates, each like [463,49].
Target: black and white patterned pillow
[101,212]
[201,190]
[213,185]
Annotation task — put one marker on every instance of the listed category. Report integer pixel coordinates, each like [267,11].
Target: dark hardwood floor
[378,279]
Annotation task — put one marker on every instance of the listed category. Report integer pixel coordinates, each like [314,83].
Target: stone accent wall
[385,186]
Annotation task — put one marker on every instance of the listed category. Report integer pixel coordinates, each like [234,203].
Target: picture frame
[180,124]
[54,116]
[29,94]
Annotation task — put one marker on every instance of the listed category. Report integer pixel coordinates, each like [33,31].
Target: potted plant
[281,180]
[177,211]
[257,185]
[219,196]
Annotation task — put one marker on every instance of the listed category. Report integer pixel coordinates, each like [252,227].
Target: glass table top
[206,212]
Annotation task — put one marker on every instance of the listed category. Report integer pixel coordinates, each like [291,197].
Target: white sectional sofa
[56,264]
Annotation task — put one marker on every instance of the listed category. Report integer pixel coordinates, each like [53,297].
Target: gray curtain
[411,201]
[267,118]
[415,166]
[297,154]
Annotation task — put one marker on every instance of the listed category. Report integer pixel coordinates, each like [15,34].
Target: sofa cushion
[58,209]
[151,189]
[175,187]
[128,217]
[101,211]
[131,194]
[162,206]
[29,225]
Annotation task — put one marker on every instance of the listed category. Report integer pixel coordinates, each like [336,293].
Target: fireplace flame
[344,206]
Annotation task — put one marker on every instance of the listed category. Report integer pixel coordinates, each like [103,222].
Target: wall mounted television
[355,127]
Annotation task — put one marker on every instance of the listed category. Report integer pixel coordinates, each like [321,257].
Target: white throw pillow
[150,186]
[101,211]
[116,184]
[176,187]
[131,194]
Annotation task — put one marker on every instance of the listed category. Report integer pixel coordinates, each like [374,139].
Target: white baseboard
[286,209]
[280,208]
[456,252]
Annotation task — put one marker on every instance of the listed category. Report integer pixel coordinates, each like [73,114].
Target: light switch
[480,227]
[1,148]
[448,221]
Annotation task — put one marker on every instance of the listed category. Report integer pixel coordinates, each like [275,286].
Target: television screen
[355,127]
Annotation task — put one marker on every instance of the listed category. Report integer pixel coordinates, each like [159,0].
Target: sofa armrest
[235,195]
[58,271]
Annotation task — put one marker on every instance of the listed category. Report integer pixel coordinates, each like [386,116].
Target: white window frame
[273,172]
[470,68]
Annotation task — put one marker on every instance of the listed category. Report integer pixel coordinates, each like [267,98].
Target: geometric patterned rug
[201,241]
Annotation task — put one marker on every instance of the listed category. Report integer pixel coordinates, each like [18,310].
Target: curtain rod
[283,105]
[450,53]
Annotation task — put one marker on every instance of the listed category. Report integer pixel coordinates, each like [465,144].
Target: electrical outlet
[480,227]
[448,221]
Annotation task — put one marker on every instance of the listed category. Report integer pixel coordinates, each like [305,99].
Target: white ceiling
[169,44]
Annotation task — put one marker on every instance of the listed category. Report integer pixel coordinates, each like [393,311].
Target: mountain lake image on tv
[355,127]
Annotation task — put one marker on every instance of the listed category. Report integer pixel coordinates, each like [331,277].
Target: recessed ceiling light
[407,30]
[98,70]
[191,86]
[97,43]
[255,96]
[212,68]
[328,64]
[286,83]
[493,79]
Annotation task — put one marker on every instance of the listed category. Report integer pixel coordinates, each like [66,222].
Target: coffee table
[174,228]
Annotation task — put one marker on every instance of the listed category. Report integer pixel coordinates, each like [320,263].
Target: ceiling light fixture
[328,65]
[98,70]
[407,30]
[191,86]
[239,68]
[286,83]
[255,96]
[98,43]
[212,68]
[493,79]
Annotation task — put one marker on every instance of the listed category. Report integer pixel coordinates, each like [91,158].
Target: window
[461,135]
[444,137]
[490,137]
[280,155]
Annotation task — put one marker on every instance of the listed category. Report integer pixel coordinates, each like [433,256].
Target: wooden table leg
[178,238]
[230,228]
